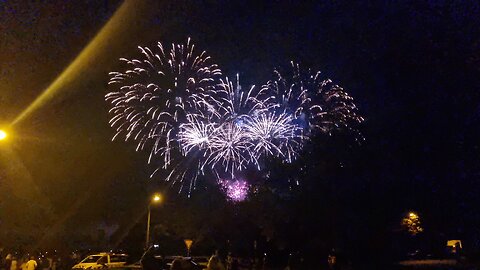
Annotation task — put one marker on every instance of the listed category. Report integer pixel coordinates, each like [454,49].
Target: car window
[91,259]
[116,258]
[102,260]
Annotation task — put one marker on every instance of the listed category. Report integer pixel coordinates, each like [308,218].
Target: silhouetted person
[458,251]
[229,261]
[149,262]
[14,264]
[8,262]
[234,265]
[332,260]
[31,264]
[214,263]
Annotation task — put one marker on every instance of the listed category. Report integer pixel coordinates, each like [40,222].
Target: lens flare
[3,135]
[97,49]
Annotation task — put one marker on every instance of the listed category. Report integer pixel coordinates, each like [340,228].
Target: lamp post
[3,135]
[156,198]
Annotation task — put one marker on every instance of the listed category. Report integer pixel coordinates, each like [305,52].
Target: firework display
[317,103]
[176,104]
[235,190]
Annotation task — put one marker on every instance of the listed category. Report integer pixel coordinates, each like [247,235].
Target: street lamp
[156,198]
[3,135]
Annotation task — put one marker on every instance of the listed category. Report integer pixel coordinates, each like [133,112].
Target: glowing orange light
[412,223]
[157,198]
[3,135]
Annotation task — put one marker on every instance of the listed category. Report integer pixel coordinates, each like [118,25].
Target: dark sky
[412,66]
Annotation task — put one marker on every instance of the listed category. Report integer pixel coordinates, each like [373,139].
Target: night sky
[413,68]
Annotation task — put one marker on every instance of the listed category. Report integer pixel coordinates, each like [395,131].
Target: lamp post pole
[157,198]
[148,228]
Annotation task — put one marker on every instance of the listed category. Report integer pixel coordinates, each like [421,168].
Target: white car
[102,260]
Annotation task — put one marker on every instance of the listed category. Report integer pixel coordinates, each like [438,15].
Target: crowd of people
[153,259]
[12,260]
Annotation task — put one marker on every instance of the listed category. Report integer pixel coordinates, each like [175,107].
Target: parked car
[102,260]
[201,260]
[180,262]
[134,266]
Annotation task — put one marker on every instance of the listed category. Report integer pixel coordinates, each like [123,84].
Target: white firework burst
[174,103]
[195,135]
[274,135]
[230,149]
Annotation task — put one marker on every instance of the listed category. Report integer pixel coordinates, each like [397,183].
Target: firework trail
[274,135]
[158,91]
[237,104]
[315,102]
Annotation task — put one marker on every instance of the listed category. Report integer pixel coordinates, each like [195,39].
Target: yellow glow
[157,198]
[412,223]
[21,182]
[452,243]
[3,135]
[88,60]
